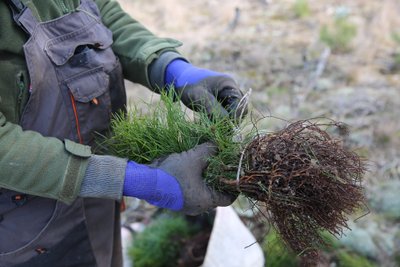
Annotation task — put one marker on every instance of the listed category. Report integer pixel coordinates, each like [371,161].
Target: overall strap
[17,9]
[22,16]
[16,5]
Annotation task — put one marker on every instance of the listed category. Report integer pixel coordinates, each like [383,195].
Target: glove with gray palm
[176,182]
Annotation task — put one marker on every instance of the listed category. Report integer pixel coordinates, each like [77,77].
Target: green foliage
[160,243]
[343,256]
[396,39]
[397,59]
[168,129]
[331,240]
[349,259]
[397,260]
[301,8]
[339,36]
[162,131]
[273,91]
[276,253]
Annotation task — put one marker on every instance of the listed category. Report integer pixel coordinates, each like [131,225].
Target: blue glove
[175,182]
[153,185]
[181,73]
[202,89]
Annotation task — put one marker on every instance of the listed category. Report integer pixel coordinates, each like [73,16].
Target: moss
[160,243]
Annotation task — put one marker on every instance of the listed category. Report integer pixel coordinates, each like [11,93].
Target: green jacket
[43,166]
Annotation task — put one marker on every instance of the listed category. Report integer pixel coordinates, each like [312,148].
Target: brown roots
[307,180]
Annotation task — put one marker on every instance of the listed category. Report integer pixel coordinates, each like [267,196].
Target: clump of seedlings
[307,180]
[171,241]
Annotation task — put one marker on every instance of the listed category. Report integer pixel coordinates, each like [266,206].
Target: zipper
[21,87]
[78,127]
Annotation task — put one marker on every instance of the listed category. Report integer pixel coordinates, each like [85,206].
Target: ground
[275,48]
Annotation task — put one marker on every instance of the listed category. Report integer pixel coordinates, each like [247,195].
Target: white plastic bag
[231,243]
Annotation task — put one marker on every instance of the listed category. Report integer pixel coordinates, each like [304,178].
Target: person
[62,65]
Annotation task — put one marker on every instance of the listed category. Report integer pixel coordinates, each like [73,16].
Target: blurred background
[305,59]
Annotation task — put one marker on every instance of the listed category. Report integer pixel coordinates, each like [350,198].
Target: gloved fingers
[192,212]
[227,93]
[236,108]
[201,200]
[208,200]
[207,148]
[198,99]
[157,162]
[202,153]
[230,96]
[221,199]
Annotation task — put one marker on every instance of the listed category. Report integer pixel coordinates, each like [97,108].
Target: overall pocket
[82,60]
[24,218]
[90,103]
[62,49]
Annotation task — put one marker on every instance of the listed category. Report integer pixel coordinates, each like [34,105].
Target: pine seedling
[306,179]
[340,35]
[159,245]
[301,8]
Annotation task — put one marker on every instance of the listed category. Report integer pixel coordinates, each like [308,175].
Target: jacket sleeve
[136,46]
[42,166]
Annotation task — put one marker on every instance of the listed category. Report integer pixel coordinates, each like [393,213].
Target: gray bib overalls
[76,83]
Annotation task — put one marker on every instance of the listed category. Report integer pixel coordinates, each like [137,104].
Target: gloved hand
[175,182]
[204,89]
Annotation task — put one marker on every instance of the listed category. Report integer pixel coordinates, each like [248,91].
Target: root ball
[308,181]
